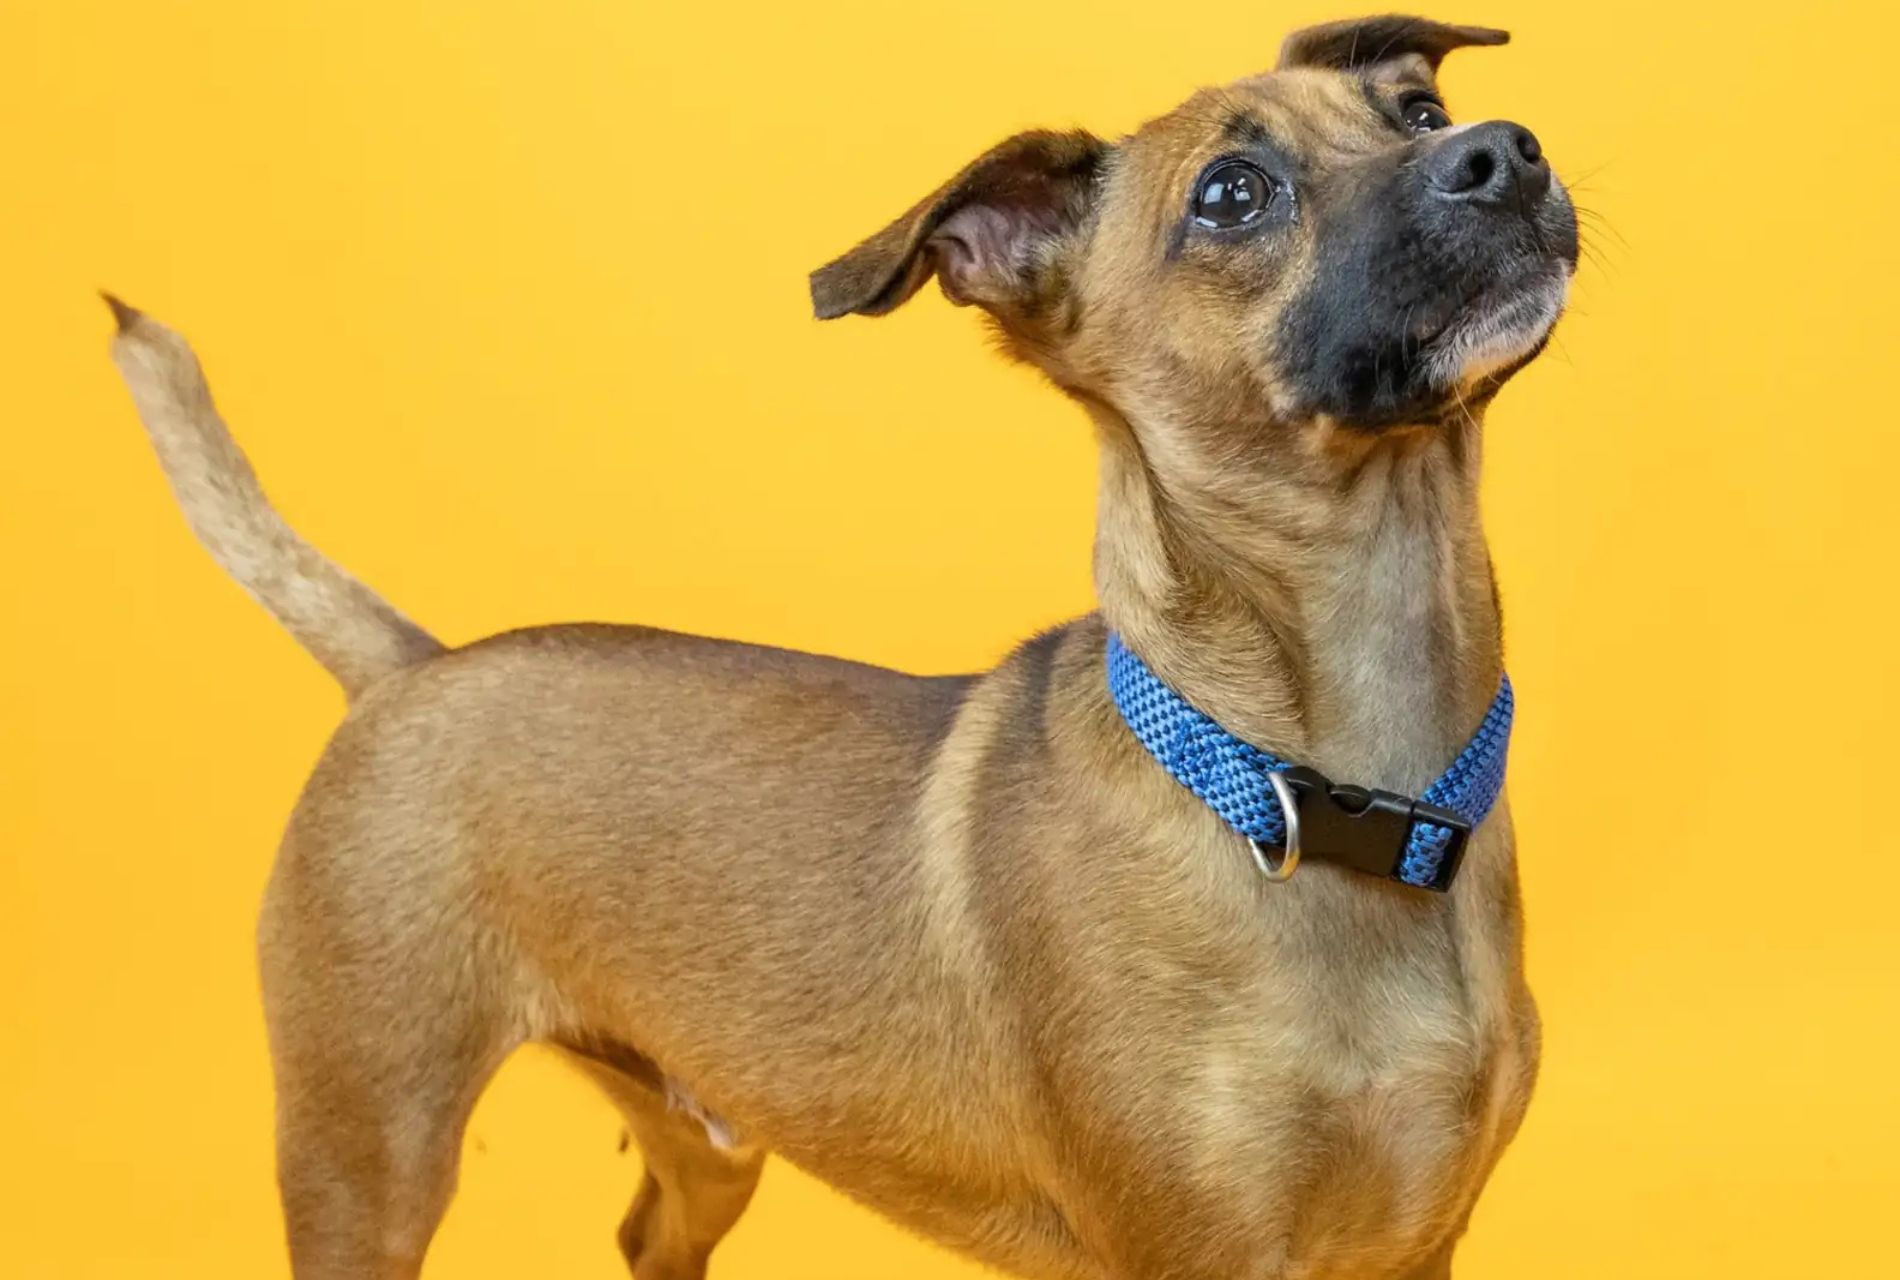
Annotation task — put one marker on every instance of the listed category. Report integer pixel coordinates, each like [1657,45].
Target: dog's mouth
[1497,332]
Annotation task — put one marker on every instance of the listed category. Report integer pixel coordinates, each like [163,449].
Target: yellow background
[507,302]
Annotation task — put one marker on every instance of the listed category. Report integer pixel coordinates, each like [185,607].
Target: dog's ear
[1384,43]
[988,233]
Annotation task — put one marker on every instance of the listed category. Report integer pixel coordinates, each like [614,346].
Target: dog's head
[1319,244]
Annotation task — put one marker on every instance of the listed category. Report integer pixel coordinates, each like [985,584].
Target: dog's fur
[958,946]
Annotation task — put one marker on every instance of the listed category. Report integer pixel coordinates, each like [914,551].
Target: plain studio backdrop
[507,302]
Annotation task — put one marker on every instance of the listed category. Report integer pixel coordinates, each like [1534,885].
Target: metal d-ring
[1281,864]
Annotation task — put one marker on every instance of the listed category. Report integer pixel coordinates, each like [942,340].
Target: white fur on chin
[1496,338]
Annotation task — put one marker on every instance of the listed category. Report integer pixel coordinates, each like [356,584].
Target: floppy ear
[986,233]
[1358,44]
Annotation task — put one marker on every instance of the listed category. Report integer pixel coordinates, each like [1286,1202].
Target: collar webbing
[1416,842]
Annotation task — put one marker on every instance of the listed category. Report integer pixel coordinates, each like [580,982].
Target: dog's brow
[1379,98]
[1244,126]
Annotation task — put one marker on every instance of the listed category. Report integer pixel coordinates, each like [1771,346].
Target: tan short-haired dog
[960,946]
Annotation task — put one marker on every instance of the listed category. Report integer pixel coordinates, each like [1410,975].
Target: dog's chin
[1425,377]
[1498,335]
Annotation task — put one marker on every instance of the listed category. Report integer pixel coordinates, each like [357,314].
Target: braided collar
[1287,811]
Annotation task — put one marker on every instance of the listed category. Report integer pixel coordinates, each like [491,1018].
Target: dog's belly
[1358,1162]
[1342,1134]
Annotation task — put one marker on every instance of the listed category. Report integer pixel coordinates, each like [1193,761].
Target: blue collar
[1416,842]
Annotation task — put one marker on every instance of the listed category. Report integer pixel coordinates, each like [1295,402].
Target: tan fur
[348,628]
[957,946]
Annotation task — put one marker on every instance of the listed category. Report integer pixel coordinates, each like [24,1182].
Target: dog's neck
[1335,607]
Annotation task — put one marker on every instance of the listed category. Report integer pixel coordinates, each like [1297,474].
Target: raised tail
[347,627]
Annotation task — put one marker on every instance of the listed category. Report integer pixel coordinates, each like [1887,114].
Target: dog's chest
[1340,1121]
[1373,1126]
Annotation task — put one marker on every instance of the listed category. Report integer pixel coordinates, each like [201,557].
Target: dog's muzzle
[1449,263]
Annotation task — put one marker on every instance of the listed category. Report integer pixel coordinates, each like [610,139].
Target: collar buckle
[1359,827]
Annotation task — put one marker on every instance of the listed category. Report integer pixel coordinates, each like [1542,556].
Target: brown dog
[960,946]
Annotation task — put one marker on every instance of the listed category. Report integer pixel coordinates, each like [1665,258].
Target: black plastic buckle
[1368,830]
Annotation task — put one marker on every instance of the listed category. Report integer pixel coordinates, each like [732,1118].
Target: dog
[961,946]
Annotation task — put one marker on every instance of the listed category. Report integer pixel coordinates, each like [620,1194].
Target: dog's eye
[1422,115]
[1231,195]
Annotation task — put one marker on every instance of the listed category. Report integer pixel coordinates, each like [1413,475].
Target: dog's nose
[1489,164]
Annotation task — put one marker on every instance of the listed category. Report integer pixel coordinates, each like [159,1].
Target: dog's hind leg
[384,1029]
[699,1176]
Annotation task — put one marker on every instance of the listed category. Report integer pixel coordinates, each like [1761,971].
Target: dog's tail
[347,627]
